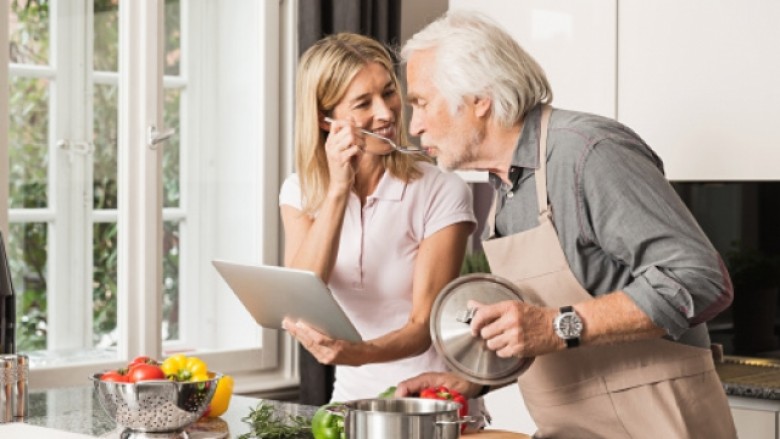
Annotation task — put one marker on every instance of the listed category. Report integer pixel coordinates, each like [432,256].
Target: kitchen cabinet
[507,408]
[573,40]
[700,82]
[756,418]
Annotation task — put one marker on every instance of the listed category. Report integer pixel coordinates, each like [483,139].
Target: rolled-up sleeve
[629,210]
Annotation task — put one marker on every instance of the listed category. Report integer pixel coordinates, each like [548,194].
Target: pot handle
[464,420]
[337,409]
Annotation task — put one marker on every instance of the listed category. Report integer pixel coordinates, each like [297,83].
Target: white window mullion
[268,161]
[32,71]
[105,78]
[198,161]
[70,305]
[140,176]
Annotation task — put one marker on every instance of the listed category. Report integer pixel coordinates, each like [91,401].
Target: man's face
[452,138]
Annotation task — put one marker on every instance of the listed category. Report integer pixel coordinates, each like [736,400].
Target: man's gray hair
[476,57]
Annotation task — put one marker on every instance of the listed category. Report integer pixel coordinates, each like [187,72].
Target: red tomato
[145,372]
[143,359]
[114,376]
[446,394]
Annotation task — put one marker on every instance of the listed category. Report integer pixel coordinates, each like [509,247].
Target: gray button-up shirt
[620,223]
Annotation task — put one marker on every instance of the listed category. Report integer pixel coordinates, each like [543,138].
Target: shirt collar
[526,153]
[389,188]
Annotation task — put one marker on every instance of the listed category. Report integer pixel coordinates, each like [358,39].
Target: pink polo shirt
[372,279]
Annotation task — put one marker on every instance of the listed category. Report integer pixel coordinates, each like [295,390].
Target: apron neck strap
[540,175]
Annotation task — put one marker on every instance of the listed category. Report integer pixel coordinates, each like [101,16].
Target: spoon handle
[404,149]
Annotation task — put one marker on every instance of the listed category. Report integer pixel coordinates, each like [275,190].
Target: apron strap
[491,218]
[541,174]
[540,177]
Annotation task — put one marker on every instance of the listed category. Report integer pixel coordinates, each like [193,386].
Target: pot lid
[465,354]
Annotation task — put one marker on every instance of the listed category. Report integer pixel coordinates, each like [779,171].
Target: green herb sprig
[265,424]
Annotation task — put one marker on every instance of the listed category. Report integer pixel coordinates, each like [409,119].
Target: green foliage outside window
[28,159]
[29,182]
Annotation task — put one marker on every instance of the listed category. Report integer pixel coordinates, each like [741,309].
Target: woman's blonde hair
[325,72]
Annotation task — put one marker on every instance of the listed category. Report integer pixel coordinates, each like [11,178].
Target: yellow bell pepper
[182,368]
[221,400]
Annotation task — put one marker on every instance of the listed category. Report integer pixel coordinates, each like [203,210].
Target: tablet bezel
[271,293]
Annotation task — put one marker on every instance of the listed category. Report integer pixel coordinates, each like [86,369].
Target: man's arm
[517,329]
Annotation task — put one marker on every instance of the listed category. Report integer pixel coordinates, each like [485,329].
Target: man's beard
[468,154]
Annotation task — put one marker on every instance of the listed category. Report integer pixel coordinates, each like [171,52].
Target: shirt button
[510,194]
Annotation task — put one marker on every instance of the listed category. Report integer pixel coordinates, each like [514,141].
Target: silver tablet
[272,293]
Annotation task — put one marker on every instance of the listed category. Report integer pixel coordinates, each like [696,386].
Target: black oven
[742,219]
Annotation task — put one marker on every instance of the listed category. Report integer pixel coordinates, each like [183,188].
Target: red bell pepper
[445,394]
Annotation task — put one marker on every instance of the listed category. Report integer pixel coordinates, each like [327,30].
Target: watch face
[569,325]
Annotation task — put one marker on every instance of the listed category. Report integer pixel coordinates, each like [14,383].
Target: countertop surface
[750,377]
[77,410]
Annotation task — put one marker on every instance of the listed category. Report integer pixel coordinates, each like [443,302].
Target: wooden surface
[496,434]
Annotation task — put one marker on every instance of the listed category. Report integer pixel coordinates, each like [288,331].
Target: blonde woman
[386,230]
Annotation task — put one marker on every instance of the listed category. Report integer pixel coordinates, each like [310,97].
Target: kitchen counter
[77,410]
[750,377]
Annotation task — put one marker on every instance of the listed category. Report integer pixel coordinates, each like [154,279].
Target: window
[111,238]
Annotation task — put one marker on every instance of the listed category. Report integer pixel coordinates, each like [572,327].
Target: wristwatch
[568,326]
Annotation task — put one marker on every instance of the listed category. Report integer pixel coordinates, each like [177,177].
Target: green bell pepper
[327,425]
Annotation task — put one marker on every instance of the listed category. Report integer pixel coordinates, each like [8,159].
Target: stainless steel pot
[408,418]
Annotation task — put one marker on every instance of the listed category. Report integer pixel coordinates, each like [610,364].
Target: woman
[386,230]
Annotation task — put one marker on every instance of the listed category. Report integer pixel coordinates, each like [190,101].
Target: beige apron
[643,389]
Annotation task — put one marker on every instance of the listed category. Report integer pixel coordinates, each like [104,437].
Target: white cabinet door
[699,80]
[755,424]
[508,410]
[573,41]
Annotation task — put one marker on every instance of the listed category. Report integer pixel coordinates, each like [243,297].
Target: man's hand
[515,329]
[451,381]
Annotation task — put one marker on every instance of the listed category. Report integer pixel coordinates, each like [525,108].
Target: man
[620,278]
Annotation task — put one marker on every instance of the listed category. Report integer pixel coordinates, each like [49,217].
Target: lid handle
[466,315]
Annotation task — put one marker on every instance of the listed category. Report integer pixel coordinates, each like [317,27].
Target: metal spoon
[407,149]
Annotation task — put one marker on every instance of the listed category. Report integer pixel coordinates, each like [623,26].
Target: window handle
[154,137]
[75,147]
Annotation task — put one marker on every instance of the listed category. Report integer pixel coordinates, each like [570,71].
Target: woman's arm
[313,243]
[438,262]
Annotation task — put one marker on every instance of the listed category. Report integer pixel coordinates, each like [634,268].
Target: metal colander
[158,406]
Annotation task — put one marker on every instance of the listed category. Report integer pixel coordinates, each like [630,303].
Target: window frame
[275,364]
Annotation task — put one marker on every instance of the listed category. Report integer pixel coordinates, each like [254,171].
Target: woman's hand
[344,147]
[414,386]
[325,349]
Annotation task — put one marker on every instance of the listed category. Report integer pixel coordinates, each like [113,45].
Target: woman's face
[372,102]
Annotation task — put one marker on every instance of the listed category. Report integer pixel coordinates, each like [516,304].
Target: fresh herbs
[265,424]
